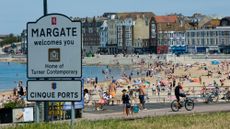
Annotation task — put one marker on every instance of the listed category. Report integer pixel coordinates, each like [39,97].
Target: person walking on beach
[142,97]
[112,90]
[153,89]
[200,79]
[86,97]
[174,82]
[96,80]
[126,103]
[20,89]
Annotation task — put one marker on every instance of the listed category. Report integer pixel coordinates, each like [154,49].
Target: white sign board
[54,47]
[23,114]
[54,90]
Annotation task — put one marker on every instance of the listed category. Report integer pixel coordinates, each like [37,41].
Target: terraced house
[165,32]
[90,34]
[128,32]
[213,37]
[140,30]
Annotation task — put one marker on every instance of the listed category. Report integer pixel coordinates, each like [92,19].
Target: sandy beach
[191,72]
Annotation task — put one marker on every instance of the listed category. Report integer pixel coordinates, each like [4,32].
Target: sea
[11,73]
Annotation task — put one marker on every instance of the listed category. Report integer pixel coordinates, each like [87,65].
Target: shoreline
[136,62]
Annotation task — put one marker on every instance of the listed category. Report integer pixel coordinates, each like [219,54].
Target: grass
[220,120]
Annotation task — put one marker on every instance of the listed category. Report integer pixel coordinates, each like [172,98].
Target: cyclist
[179,93]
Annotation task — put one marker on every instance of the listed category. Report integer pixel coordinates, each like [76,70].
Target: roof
[166,19]
[3,35]
[135,15]
[226,18]
[212,23]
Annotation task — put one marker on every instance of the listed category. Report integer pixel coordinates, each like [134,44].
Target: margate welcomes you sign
[54,47]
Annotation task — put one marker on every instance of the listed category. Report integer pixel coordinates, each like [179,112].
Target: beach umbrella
[215,62]
[147,83]
[121,81]
[137,83]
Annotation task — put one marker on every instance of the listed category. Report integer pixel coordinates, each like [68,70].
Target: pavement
[153,109]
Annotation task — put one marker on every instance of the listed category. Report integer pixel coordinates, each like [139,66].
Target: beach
[193,73]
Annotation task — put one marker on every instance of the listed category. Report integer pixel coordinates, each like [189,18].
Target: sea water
[11,73]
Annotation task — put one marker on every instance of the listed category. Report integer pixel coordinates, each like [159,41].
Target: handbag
[128,105]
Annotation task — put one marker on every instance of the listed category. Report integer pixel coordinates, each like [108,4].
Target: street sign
[54,47]
[54,90]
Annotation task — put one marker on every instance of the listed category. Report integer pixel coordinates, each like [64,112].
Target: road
[154,109]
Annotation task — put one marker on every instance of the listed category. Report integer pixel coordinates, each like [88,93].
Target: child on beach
[126,103]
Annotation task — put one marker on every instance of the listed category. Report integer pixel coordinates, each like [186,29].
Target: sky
[14,14]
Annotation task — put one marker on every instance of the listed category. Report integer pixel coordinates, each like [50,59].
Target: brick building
[90,33]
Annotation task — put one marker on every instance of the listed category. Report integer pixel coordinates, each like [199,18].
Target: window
[208,33]
[212,41]
[212,33]
[198,34]
[193,41]
[198,42]
[202,42]
[202,34]
[192,34]
[222,41]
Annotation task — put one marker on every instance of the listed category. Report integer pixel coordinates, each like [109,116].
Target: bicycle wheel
[174,106]
[216,99]
[226,98]
[209,99]
[189,105]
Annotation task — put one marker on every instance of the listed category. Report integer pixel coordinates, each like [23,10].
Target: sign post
[54,91]
[54,47]
[37,112]
[72,114]
[54,56]
[45,7]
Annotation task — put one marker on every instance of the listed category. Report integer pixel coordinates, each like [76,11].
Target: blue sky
[14,14]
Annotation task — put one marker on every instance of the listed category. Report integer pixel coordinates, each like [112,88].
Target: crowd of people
[162,78]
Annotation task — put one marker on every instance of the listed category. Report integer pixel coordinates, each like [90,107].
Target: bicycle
[227,96]
[212,97]
[188,103]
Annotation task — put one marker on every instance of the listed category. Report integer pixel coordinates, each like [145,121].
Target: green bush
[14,104]
[10,105]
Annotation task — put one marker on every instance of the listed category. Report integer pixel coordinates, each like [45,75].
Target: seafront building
[127,32]
[108,36]
[145,32]
[24,41]
[91,34]
[208,40]
[166,32]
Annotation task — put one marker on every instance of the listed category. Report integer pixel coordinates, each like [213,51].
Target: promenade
[115,112]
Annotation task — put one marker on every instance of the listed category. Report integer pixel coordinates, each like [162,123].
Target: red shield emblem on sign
[53,21]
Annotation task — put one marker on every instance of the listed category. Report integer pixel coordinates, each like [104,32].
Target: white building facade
[125,35]
[172,39]
[208,40]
